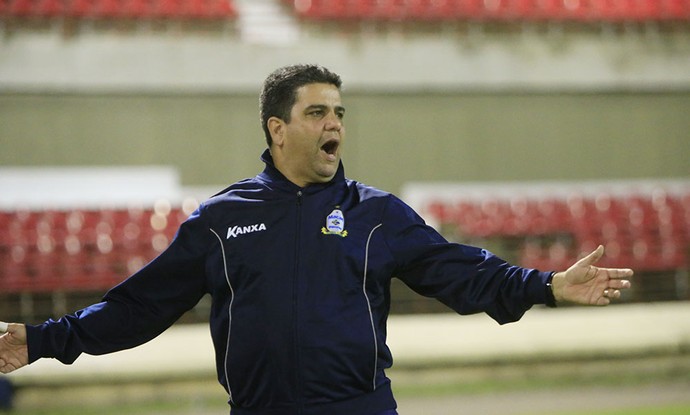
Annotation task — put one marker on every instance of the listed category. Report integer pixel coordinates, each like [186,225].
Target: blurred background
[535,128]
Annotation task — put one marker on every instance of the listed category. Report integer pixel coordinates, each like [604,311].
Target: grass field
[644,385]
[657,410]
[665,398]
[172,408]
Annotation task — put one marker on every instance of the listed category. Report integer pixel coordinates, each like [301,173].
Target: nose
[333,122]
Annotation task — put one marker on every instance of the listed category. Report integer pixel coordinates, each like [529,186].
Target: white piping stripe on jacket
[232,298]
[371,316]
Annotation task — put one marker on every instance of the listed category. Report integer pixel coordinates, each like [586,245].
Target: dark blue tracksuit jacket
[300,282]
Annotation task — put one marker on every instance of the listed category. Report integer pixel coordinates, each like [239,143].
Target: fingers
[14,353]
[606,296]
[616,281]
[612,293]
[13,359]
[9,366]
[610,273]
[593,257]
[603,301]
[586,283]
[618,284]
[617,273]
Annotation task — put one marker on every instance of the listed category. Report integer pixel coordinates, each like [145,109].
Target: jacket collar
[273,177]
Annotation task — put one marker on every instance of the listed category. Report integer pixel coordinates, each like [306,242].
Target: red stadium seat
[618,10]
[524,9]
[301,7]
[324,9]
[223,8]
[8,227]
[46,276]
[582,10]
[78,250]
[556,256]
[675,218]
[80,8]
[50,8]
[208,9]
[498,10]
[433,9]
[560,256]
[439,211]
[469,9]
[641,217]
[492,215]
[651,253]
[168,9]
[552,216]
[107,9]
[359,9]
[137,9]
[386,9]
[675,9]
[494,10]
[647,10]
[198,9]
[532,255]
[22,8]
[13,268]
[516,219]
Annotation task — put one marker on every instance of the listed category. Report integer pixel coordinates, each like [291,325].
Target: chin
[325,177]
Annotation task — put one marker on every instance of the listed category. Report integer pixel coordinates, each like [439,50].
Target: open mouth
[330,147]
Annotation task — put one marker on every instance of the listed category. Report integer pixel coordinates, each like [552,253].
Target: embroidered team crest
[335,224]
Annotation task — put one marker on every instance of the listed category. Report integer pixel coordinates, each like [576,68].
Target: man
[298,261]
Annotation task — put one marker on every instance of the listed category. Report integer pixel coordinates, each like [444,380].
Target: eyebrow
[337,108]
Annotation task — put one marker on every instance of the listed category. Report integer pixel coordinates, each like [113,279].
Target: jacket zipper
[295,308]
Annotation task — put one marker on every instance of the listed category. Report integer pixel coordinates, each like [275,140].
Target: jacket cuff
[550,299]
[33,342]
[540,291]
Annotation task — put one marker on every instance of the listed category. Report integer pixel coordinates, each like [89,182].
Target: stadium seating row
[650,233]
[119,9]
[494,10]
[386,10]
[81,250]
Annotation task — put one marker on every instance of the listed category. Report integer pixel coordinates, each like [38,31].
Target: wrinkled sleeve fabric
[135,311]
[465,278]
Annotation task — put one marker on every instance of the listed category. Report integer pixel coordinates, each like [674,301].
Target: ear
[276,127]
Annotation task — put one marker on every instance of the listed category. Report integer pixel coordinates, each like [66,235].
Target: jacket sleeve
[135,311]
[465,278]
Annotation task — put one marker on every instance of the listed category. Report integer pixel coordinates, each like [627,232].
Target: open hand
[14,352]
[584,283]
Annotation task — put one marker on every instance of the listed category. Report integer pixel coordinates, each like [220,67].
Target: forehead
[318,94]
